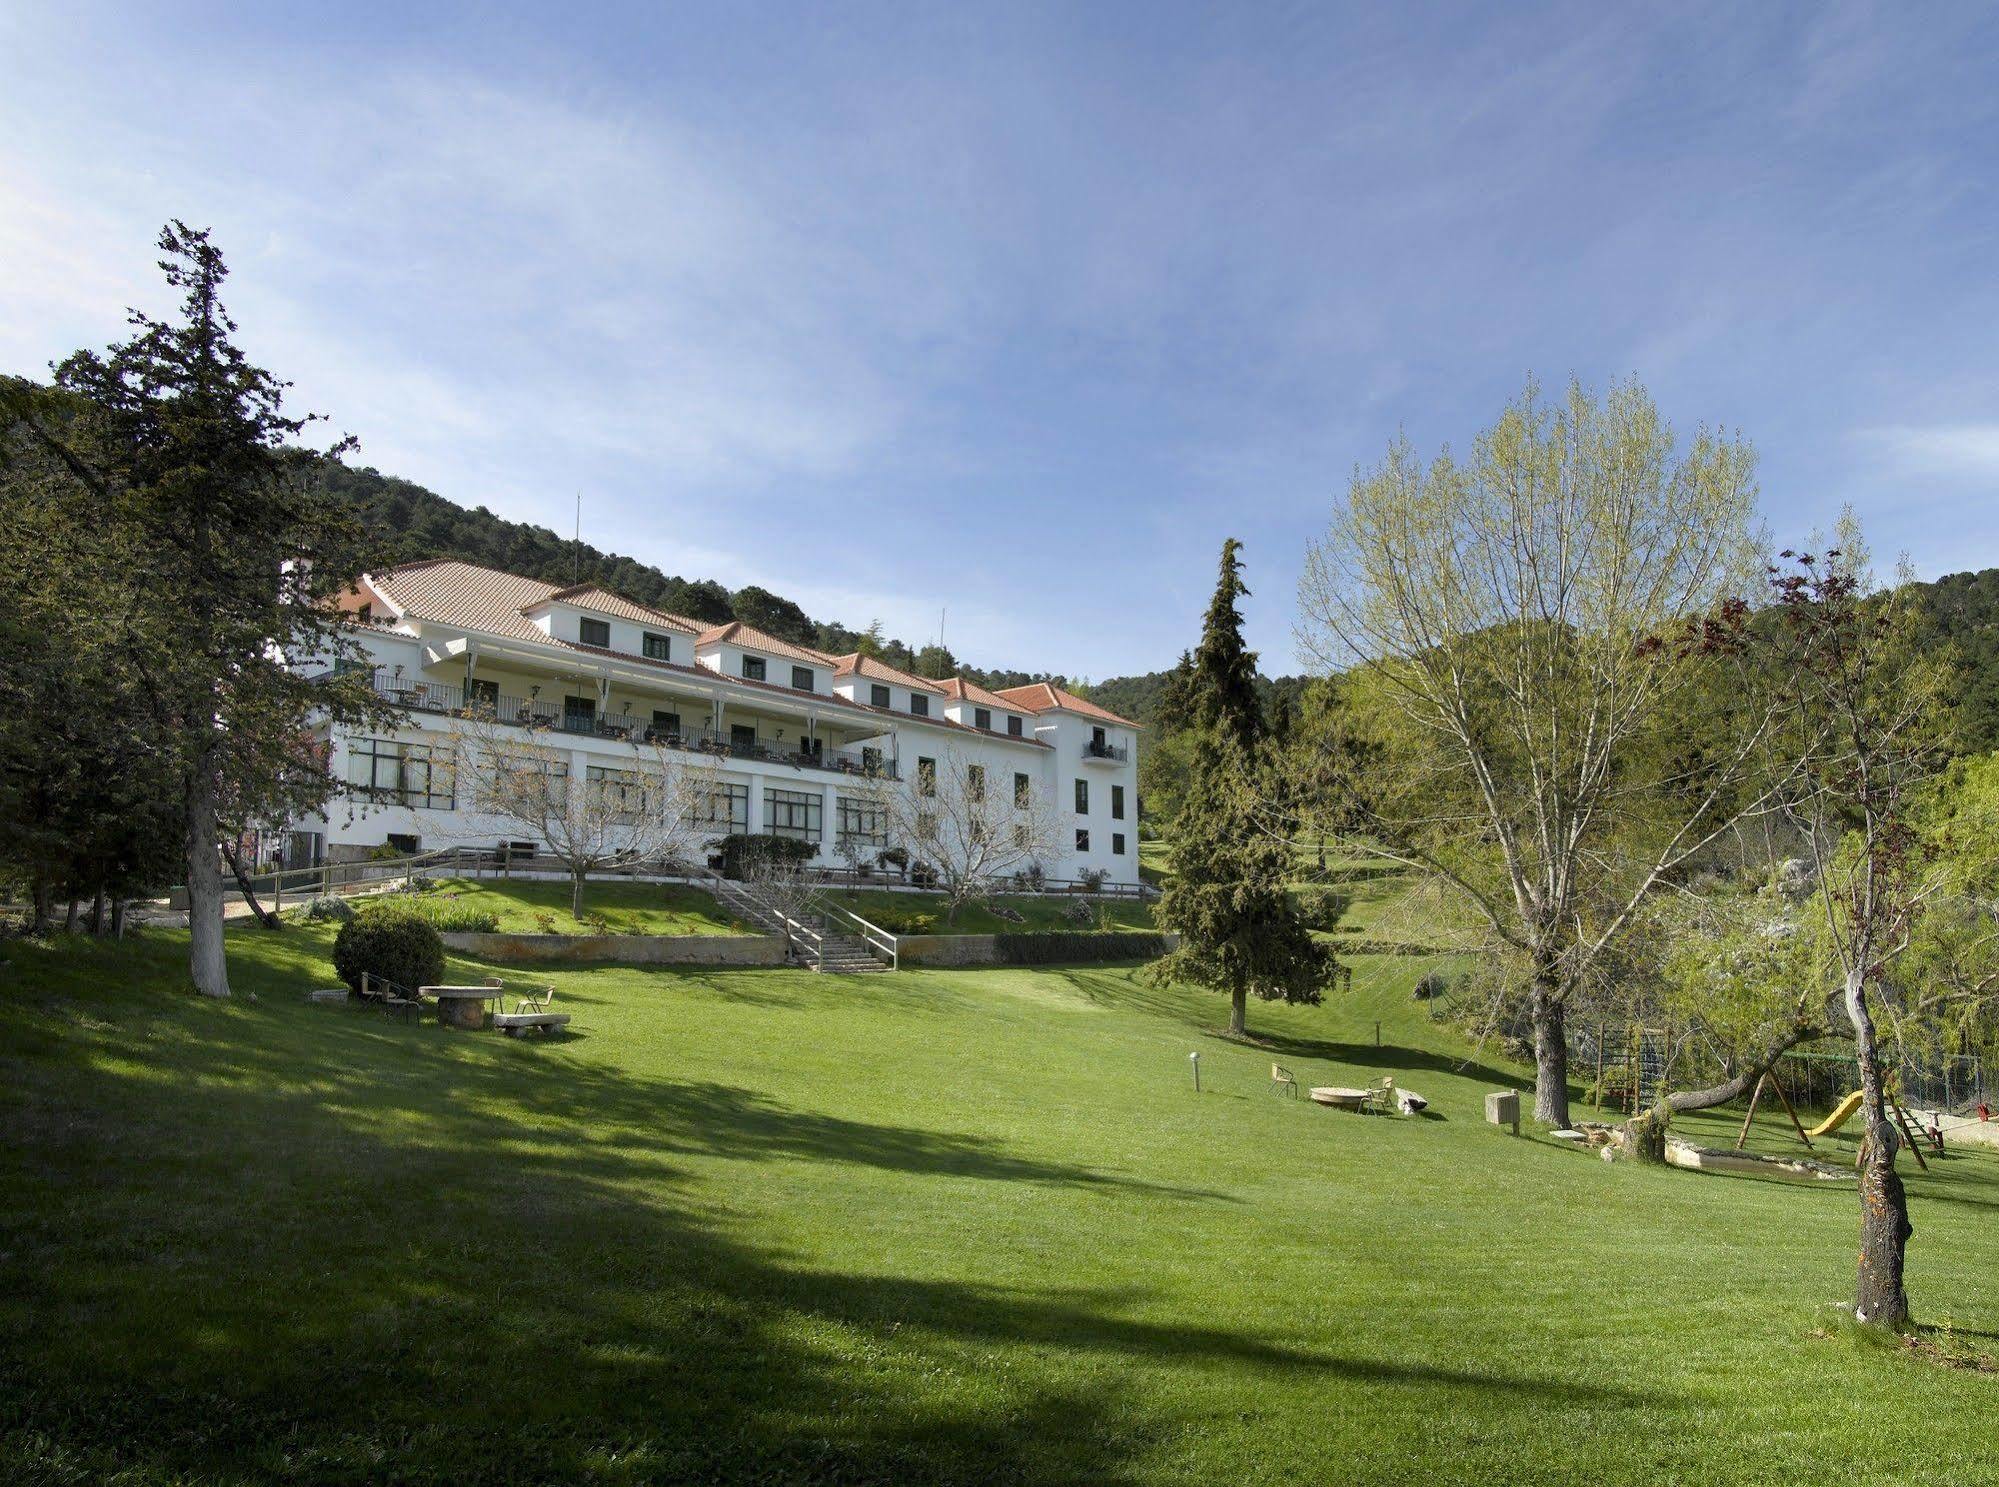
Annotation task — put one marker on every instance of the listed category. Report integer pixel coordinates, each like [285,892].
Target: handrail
[874,934]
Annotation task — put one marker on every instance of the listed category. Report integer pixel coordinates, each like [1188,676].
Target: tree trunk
[118,917]
[1238,1012]
[1884,1207]
[97,911]
[206,964]
[1551,1048]
[44,905]
[1755,1068]
[69,919]
[264,917]
[576,896]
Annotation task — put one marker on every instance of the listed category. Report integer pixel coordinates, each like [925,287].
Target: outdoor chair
[533,1003]
[1281,1081]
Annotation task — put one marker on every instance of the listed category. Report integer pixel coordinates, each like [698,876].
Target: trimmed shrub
[1433,986]
[1057,947]
[1322,908]
[902,921]
[329,907]
[743,853]
[390,943]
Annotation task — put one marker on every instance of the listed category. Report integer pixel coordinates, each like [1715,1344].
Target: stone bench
[513,1024]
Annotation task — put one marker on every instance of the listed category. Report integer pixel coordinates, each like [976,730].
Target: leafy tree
[773,615]
[1239,933]
[871,641]
[1224,681]
[935,662]
[232,553]
[1520,634]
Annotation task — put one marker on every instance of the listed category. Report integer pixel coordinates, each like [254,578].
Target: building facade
[790,740]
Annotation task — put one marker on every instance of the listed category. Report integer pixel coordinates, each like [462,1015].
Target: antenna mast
[576,572]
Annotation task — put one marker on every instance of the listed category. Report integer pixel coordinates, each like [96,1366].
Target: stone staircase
[823,949]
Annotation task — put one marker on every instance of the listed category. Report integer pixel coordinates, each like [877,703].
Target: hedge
[744,852]
[1058,947]
[389,943]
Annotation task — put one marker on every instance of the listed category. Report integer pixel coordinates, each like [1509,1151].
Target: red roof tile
[1041,697]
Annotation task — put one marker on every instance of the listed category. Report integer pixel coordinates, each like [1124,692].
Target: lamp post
[1195,1060]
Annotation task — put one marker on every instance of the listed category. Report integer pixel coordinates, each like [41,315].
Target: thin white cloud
[1968,451]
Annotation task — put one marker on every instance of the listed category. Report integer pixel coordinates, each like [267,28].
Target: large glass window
[726,808]
[862,820]
[623,790]
[795,814]
[597,633]
[657,647]
[400,773]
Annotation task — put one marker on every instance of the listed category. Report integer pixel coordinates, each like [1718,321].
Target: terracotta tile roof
[1041,697]
[603,601]
[446,591]
[856,664]
[751,638]
[960,690]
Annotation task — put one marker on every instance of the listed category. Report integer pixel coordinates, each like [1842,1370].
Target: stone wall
[634,950]
[964,950]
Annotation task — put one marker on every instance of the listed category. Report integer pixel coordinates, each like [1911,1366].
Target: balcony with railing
[1097,751]
[560,716]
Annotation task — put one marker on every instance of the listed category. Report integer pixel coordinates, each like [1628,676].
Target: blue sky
[1020,310]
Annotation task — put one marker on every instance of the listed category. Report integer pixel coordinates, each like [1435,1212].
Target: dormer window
[597,633]
[1012,725]
[919,704]
[982,717]
[753,668]
[878,695]
[801,678]
[657,647]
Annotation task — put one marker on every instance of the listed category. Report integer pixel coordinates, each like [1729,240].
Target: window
[726,807]
[1013,725]
[665,724]
[878,695]
[1117,802]
[975,782]
[657,647]
[1023,790]
[1082,797]
[1082,839]
[982,717]
[793,813]
[483,695]
[926,776]
[801,678]
[743,738]
[753,668]
[624,790]
[597,633]
[403,842]
[919,704]
[871,759]
[579,714]
[862,821]
[1117,844]
[1022,840]
[524,768]
[400,773]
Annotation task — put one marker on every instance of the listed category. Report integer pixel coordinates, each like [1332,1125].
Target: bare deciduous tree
[646,807]
[975,834]
[1520,633]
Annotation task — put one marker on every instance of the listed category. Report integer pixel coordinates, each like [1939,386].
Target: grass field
[628,908]
[1036,913]
[962,1227]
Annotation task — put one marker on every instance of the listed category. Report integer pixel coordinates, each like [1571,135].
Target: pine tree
[1224,671]
[1226,897]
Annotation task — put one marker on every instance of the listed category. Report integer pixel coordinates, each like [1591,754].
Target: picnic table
[1340,1098]
[462,1006]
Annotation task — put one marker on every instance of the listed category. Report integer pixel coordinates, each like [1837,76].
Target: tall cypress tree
[1224,670]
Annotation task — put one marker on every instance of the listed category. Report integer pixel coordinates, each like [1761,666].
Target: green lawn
[1036,913]
[629,908]
[961,1227]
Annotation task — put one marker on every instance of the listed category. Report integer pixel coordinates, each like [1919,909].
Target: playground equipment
[1841,1114]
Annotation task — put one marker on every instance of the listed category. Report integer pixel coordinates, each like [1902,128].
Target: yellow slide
[1839,1117]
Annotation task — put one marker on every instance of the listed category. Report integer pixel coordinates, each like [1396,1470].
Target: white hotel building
[782,724]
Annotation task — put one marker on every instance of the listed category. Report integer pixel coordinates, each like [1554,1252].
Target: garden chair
[1282,1082]
[533,1003]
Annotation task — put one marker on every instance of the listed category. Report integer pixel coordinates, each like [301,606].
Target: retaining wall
[634,950]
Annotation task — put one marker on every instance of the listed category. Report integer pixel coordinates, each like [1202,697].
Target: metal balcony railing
[1116,753]
[535,712]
